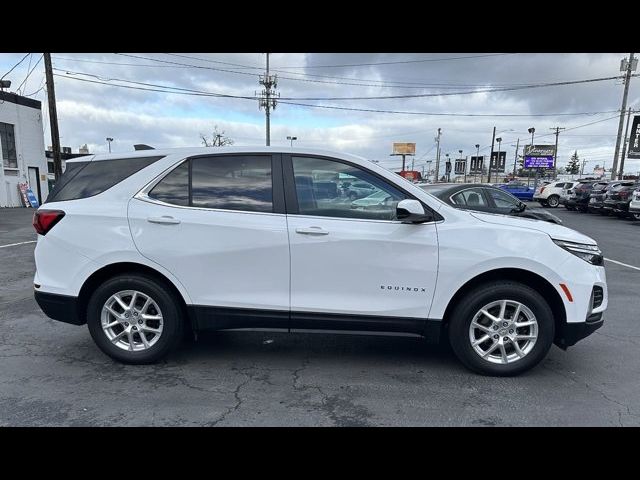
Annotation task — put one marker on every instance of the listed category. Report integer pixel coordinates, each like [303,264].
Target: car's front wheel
[502,329]
[134,318]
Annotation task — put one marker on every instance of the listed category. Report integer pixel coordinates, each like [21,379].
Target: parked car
[617,200]
[579,198]
[486,198]
[549,195]
[634,205]
[596,198]
[142,246]
[519,190]
[567,191]
[355,190]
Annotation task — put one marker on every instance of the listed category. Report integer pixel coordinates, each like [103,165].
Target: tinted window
[471,197]
[503,200]
[174,188]
[95,177]
[374,198]
[72,169]
[232,183]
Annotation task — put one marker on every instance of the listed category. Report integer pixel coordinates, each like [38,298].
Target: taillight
[623,193]
[542,189]
[45,220]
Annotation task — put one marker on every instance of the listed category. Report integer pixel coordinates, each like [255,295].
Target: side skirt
[228,318]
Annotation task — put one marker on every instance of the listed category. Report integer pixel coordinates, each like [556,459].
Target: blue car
[519,190]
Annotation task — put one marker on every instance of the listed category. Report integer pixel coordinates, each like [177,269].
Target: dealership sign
[539,156]
[634,139]
[498,166]
[476,164]
[404,149]
[460,167]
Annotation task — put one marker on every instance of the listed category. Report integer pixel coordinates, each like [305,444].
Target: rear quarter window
[86,179]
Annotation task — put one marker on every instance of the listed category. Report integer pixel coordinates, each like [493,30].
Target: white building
[21,149]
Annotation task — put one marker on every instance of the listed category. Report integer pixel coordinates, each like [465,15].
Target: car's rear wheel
[502,329]
[553,201]
[635,216]
[570,208]
[134,319]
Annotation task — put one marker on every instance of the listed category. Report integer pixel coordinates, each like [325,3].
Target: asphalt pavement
[51,373]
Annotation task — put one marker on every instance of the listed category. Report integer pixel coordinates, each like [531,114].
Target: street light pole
[465,167]
[477,161]
[109,140]
[499,140]
[292,139]
[493,138]
[515,158]
[532,131]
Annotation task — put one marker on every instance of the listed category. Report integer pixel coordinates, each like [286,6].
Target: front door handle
[167,220]
[312,231]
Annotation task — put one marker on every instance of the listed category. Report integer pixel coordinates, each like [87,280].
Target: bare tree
[218,139]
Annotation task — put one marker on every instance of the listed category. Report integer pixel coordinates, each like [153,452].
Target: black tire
[173,323]
[468,306]
[553,201]
[635,216]
[543,203]
[604,211]
[570,208]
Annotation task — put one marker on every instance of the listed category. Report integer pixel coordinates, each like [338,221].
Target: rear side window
[232,183]
[71,171]
[174,188]
[96,177]
[236,182]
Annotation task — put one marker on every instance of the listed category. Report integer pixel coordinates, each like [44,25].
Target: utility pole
[624,146]
[555,160]
[53,117]
[493,139]
[584,162]
[627,78]
[267,98]
[436,180]
[515,159]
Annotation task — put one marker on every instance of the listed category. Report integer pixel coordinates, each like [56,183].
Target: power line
[13,68]
[401,62]
[422,95]
[186,91]
[30,71]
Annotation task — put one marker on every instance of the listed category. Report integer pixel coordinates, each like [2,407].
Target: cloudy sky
[451,91]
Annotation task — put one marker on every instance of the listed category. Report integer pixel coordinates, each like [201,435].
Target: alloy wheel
[132,320]
[503,331]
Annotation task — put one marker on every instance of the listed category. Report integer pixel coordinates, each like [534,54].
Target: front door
[217,223]
[353,265]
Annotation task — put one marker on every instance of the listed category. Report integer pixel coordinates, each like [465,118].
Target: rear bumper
[63,308]
[572,333]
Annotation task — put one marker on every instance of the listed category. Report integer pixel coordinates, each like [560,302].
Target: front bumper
[63,308]
[571,333]
[617,206]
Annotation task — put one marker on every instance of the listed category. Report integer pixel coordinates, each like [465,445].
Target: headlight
[588,253]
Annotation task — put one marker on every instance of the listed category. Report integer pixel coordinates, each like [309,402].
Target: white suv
[143,246]
[549,195]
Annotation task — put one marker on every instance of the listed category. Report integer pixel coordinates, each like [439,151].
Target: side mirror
[411,211]
[522,206]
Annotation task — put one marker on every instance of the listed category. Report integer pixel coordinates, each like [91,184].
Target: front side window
[472,197]
[503,200]
[8,146]
[236,182]
[329,188]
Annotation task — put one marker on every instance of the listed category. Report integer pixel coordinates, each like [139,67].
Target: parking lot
[52,373]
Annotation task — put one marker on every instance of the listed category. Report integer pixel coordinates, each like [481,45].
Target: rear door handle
[167,220]
[312,231]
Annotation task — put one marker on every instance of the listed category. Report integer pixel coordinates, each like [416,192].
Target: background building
[21,149]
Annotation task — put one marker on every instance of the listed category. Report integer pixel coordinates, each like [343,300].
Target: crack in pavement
[591,388]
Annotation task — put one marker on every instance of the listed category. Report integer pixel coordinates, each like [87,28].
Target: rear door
[217,223]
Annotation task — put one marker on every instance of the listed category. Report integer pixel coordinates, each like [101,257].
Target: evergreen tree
[573,167]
